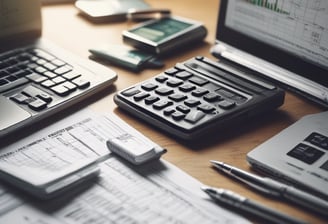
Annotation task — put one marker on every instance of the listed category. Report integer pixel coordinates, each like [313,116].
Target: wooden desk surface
[63,25]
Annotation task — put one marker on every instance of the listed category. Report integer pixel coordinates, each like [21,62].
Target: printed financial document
[156,192]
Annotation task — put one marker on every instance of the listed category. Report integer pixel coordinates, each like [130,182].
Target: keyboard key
[48,83]
[69,85]
[22,73]
[19,98]
[35,92]
[305,153]
[324,166]
[11,85]
[81,83]
[62,70]
[3,82]
[36,78]
[50,66]
[318,140]
[40,70]
[58,62]
[42,54]
[71,75]
[36,104]
[11,78]
[58,80]
[49,74]
[60,90]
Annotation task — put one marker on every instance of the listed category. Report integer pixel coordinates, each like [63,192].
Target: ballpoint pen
[275,188]
[230,198]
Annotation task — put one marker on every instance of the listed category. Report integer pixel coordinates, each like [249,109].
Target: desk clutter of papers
[156,192]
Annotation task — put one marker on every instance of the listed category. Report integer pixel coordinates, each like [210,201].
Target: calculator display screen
[161,30]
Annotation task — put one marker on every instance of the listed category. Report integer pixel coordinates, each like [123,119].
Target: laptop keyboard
[36,66]
[36,83]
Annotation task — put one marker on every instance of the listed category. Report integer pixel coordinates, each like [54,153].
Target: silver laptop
[284,41]
[298,154]
[38,79]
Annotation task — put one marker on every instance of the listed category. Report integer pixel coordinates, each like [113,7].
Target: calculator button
[164,91]
[161,78]
[198,81]
[162,104]
[183,109]
[174,82]
[187,87]
[141,96]
[199,92]
[184,75]
[178,115]
[192,102]
[194,116]
[206,108]
[149,86]
[131,92]
[171,71]
[211,97]
[177,97]
[168,111]
[227,105]
[151,99]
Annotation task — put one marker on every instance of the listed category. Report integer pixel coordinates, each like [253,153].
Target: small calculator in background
[199,97]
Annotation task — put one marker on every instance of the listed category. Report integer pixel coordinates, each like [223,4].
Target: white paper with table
[157,192]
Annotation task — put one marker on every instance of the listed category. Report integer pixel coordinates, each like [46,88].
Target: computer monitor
[292,36]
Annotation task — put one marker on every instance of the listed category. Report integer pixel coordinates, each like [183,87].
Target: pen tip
[208,190]
[217,164]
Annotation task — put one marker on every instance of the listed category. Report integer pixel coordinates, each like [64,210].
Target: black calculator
[199,97]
